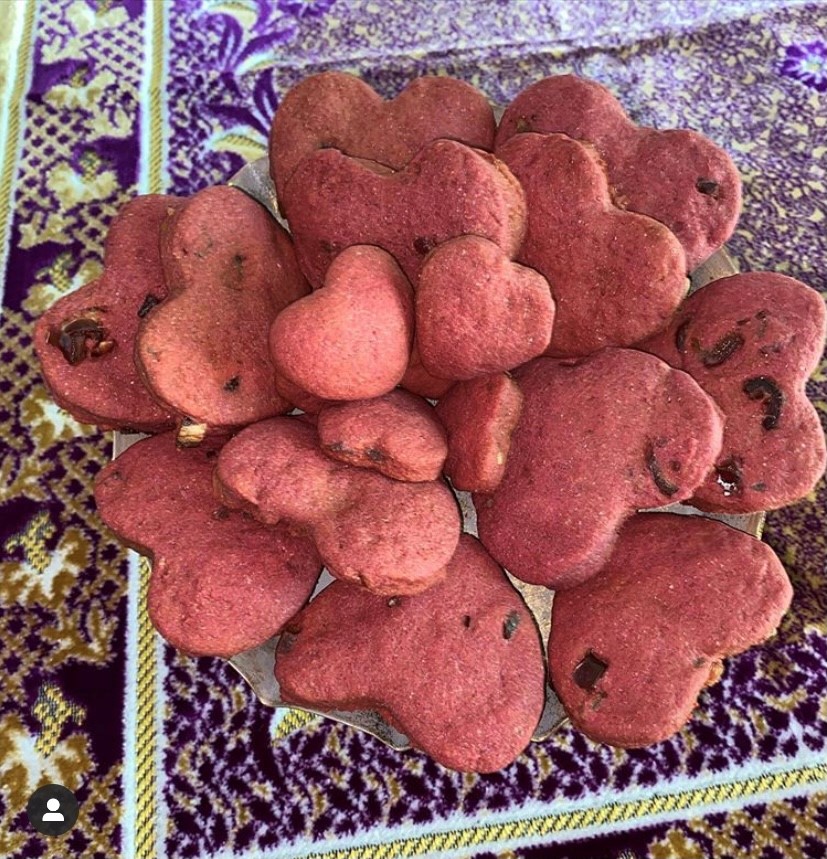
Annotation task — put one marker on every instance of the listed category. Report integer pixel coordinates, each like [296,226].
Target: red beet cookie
[397,435]
[597,439]
[337,110]
[477,312]
[391,537]
[85,340]
[446,190]
[419,381]
[230,270]
[627,658]
[616,276]
[480,417]
[677,177]
[276,470]
[296,396]
[751,341]
[352,339]
[480,700]
[221,582]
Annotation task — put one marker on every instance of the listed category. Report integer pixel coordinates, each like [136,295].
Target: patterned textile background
[173,757]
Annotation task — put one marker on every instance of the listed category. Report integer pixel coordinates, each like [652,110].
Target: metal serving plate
[256,666]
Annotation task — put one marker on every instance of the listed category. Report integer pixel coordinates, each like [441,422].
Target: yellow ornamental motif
[23,768]
[72,188]
[53,711]
[244,11]
[243,141]
[677,844]
[43,577]
[54,281]
[45,228]
[83,20]
[47,422]
[81,94]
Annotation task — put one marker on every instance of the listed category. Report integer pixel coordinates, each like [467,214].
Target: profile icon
[52,814]
[52,809]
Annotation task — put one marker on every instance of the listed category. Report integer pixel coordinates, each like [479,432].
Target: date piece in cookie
[479,701]
[221,582]
[677,177]
[631,649]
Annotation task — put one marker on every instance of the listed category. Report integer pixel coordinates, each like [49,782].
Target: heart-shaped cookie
[419,381]
[480,417]
[598,438]
[390,536]
[230,269]
[616,276]
[340,111]
[397,435]
[221,582]
[677,177]
[477,312]
[352,339]
[479,702]
[446,190]
[85,340]
[631,648]
[751,341]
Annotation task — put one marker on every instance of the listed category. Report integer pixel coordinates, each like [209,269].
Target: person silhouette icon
[63,806]
[52,814]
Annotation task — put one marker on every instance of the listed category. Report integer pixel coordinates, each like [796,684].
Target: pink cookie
[419,381]
[397,435]
[85,340]
[301,484]
[477,312]
[297,397]
[230,269]
[628,657]
[598,438]
[339,111]
[389,536]
[446,190]
[352,339]
[677,177]
[221,582]
[479,701]
[480,417]
[616,276]
[751,341]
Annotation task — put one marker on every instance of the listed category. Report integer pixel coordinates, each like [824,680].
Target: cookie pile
[529,276]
